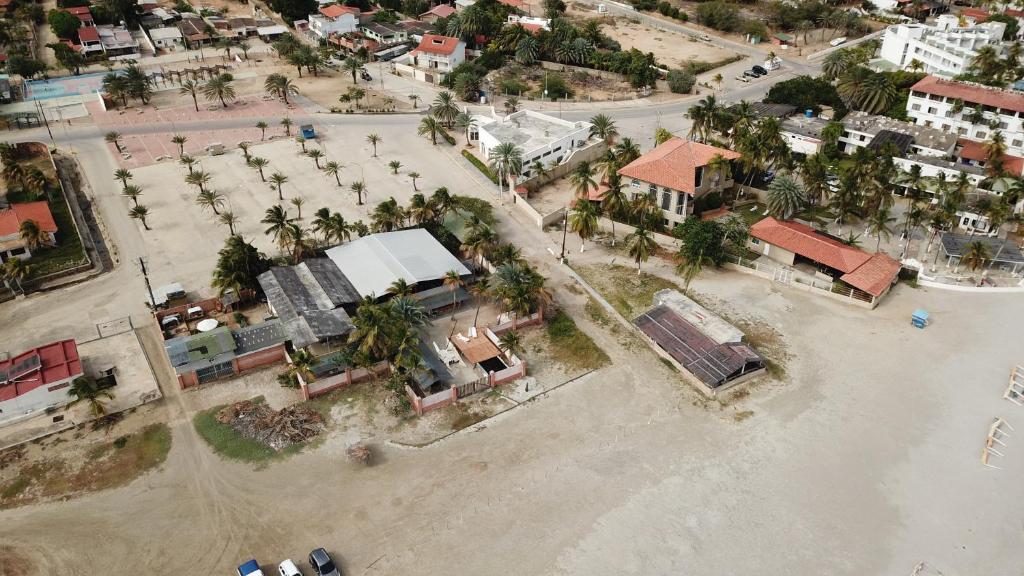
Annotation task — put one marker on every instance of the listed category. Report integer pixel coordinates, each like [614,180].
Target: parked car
[288,568]
[743,79]
[751,74]
[365,75]
[760,70]
[705,37]
[322,563]
[250,568]
[837,41]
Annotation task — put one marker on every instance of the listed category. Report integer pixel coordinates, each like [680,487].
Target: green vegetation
[227,442]
[571,347]
[628,293]
[681,81]
[68,253]
[807,93]
[480,166]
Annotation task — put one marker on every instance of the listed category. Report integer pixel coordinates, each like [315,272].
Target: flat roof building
[38,379]
[541,137]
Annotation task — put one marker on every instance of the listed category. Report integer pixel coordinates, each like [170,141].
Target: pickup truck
[250,568]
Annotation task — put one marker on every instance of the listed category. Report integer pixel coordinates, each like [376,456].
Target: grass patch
[479,166]
[467,419]
[15,487]
[628,293]
[751,213]
[228,443]
[571,347]
[742,415]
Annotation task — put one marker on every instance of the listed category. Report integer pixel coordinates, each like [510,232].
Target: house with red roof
[38,379]
[438,55]
[83,14]
[791,243]
[12,245]
[436,13]
[333,19]
[676,173]
[971,111]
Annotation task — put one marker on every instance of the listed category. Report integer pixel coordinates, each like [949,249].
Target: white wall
[938,114]
[802,144]
[41,398]
[324,27]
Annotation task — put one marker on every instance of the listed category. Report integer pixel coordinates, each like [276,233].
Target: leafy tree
[681,81]
[68,58]
[785,197]
[806,93]
[220,88]
[239,263]
[24,66]
[63,24]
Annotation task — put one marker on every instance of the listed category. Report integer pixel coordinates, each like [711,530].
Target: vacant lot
[671,49]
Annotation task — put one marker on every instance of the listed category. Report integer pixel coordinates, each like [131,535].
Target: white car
[288,568]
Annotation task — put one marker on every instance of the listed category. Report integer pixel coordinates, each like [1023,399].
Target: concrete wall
[259,359]
[35,400]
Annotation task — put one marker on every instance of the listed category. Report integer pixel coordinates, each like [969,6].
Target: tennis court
[65,86]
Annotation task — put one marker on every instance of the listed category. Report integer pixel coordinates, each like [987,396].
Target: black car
[751,74]
[322,563]
[365,75]
[760,70]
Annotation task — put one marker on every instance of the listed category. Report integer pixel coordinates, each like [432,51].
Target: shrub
[807,93]
[681,81]
[479,166]
[719,15]
[556,87]
[121,442]
[512,86]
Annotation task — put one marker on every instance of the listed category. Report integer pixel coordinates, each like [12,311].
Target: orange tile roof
[88,34]
[335,10]
[441,11]
[874,276]
[978,14]
[435,44]
[974,150]
[11,218]
[972,93]
[1014,13]
[673,163]
[805,241]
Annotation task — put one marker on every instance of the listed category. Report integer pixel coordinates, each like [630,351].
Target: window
[680,202]
[698,177]
[915,106]
[933,110]
[1017,143]
[666,201]
[754,241]
[961,131]
[981,134]
[1003,125]
[635,183]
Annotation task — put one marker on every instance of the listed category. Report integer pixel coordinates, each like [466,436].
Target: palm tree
[332,226]
[316,154]
[415,99]
[114,138]
[510,344]
[359,187]
[388,216]
[401,287]
[191,88]
[298,203]
[287,123]
[583,220]
[179,141]
[301,365]
[453,282]
[301,142]
[444,108]
[627,151]
[132,192]
[276,219]
[262,126]
[814,174]
[706,115]
[394,165]
[414,176]
[333,168]
[507,162]
[430,126]
[14,271]
[259,164]
[835,64]
[140,213]
[277,179]
[300,242]
[124,175]
[225,43]
[373,139]
[785,197]
[464,121]
[975,254]
[480,290]
[641,245]
[878,224]
[582,180]
[352,64]
[228,218]
[421,210]
[614,202]
[511,104]
[219,88]
[85,389]
[244,147]
[199,179]
[603,127]
[211,199]
[33,235]
[995,155]
[281,86]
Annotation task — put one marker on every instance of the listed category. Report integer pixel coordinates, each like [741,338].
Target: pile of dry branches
[260,422]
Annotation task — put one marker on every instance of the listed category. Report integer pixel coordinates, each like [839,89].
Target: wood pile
[292,425]
[358,454]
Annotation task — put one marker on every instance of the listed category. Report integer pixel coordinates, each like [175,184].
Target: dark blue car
[250,568]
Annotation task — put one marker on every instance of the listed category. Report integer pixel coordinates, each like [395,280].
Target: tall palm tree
[480,290]
[995,155]
[114,138]
[33,235]
[277,179]
[211,199]
[415,99]
[510,344]
[316,154]
[276,219]
[626,151]
[464,121]
[359,187]
[262,127]
[140,213]
[878,225]
[301,364]
[706,116]
[583,220]
[132,192]
[281,86]
[333,168]
[85,389]
[785,197]
[124,175]
[287,124]
[453,282]
[299,240]
[373,139]
[220,88]
[445,108]
[259,164]
[603,127]
[352,64]
[614,202]
[835,64]
[975,254]
[244,147]
[507,162]
[421,210]
[191,88]
[179,141]
[814,174]
[298,202]
[199,179]
[582,180]
[228,218]
[388,216]
[641,245]
[430,126]
[414,176]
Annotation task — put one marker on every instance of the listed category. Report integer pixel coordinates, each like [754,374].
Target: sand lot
[672,50]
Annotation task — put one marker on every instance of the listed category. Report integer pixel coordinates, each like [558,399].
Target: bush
[480,166]
[512,86]
[681,81]
[644,4]
[556,87]
[806,93]
[719,15]
[710,201]
[64,25]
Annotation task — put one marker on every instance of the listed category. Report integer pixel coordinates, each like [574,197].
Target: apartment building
[971,111]
[945,49]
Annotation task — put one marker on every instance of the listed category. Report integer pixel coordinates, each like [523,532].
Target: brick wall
[259,359]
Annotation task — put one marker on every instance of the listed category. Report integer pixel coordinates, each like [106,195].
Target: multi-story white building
[971,111]
[542,138]
[945,49]
[861,129]
[434,58]
[333,19]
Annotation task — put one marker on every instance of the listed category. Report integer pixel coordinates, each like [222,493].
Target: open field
[672,50]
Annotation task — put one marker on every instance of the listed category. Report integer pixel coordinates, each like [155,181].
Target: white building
[861,129]
[169,38]
[434,58]
[945,49]
[333,19]
[541,137]
[971,111]
[529,22]
[803,134]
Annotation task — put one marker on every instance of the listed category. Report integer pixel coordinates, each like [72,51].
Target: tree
[199,179]
[430,126]
[211,199]
[220,88]
[626,151]
[681,81]
[64,24]
[814,174]
[259,164]
[301,365]
[287,123]
[444,108]
[835,64]
[124,175]
[280,86]
[373,139]
[301,142]
[359,187]
[69,59]
[298,202]
[388,216]
[228,218]
[225,44]
[239,264]
[394,165]
[452,281]
[316,154]
[352,64]
[415,99]
[85,389]
[464,121]
[603,127]
[244,147]
[995,155]
[114,138]
[179,141]
[191,88]
[614,202]
[641,245]
[878,225]
[140,213]
[705,116]
[277,179]
[14,271]
[975,254]
[506,160]
[510,344]
[187,161]
[132,192]
[353,94]
[33,235]
[582,180]
[785,197]
[276,219]
[702,243]
[333,168]
[262,127]
[116,86]
[583,220]
[414,176]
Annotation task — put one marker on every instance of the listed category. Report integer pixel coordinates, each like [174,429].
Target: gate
[782,275]
[473,387]
[210,373]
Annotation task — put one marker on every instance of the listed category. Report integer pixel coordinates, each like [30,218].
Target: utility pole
[39,107]
[145,276]
[565,229]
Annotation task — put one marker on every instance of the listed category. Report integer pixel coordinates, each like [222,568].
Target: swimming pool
[64,86]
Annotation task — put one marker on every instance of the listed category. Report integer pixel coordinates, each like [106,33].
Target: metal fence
[789,276]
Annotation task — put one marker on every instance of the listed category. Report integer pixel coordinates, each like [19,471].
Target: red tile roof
[874,276]
[531,28]
[6,3]
[435,44]
[81,11]
[673,163]
[335,10]
[972,93]
[1014,13]
[11,218]
[974,150]
[57,362]
[978,14]
[88,34]
[441,11]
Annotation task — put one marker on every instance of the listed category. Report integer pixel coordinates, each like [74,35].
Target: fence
[339,381]
[790,277]
[502,327]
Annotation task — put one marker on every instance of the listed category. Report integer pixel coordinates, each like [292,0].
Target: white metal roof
[373,262]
